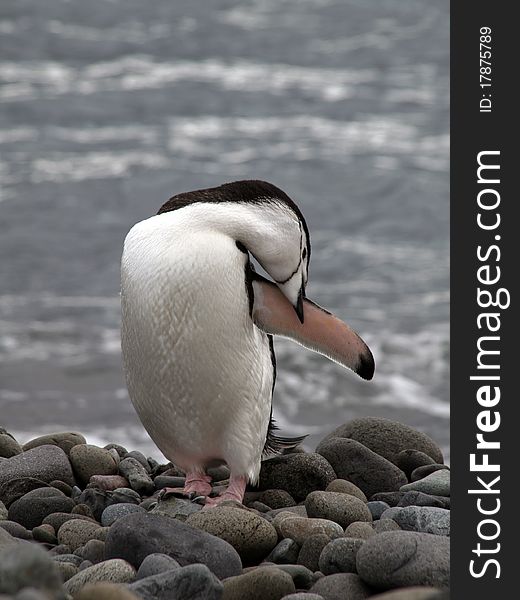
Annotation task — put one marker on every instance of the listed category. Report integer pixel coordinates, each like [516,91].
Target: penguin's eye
[304,253]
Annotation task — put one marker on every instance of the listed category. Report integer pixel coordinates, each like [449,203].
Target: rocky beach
[366,515]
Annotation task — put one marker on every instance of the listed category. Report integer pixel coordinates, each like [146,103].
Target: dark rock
[108,483]
[298,511]
[85,564]
[137,535]
[57,519]
[67,570]
[137,476]
[16,530]
[96,500]
[346,487]
[424,519]
[422,499]
[157,563]
[340,586]
[113,571]
[311,550]
[251,536]
[83,509]
[45,534]
[3,511]
[408,460]
[360,530]
[341,508]
[88,460]
[421,472]
[116,511]
[64,440]
[125,495]
[23,564]
[355,462]
[77,532]
[121,450]
[46,463]
[303,596]
[339,556]
[277,499]
[140,457]
[93,551]
[162,481]
[33,507]
[391,498]
[194,582]
[436,484]
[377,508]
[284,553]
[259,506]
[219,473]
[62,486]
[298,474]
[386,438]
[264,583]
[8,445]
[405,558]
[301,576]
[60,550]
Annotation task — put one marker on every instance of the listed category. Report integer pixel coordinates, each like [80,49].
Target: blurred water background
[109,107]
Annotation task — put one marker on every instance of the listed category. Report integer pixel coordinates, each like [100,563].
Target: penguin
[198,321]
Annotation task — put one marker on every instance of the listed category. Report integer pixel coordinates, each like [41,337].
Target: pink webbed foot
[235,491]
[196,484]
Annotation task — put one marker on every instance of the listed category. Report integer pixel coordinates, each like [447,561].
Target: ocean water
[108,108]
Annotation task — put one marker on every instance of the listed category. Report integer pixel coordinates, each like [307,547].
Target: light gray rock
[27,565]
[339,556]
[377,508]
[436,484]
[77,532]
[425,519]
[383,525]
[425,470]
[114,512]
[3,511]
[45,463]
[251,535]
[405,558]
[299,528]
[193,582]
[178,508]
[341,508]
[113,571]
[105,591]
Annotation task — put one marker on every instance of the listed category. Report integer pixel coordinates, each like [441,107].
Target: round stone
[284,553]
[346,487]
[386,438]
[16,530]
[32,508]
[8,445]
[426,519]
[66,440]
[88,460]
[340,586]
[77,532]
[251,535]
[266,583]
[298,474]
[339,556]
[436,484]
[299,528]
[137,476]
[425,470]
[341,508]
[355,462]
[156,563]
[360,530]
[377,508]
[277,499]
[405,558]
[45,463]
[114,571]
[57,519]
[409,593]
[114,512]
[408,460]
[311,550]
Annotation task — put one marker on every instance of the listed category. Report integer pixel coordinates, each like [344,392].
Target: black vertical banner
[485,260]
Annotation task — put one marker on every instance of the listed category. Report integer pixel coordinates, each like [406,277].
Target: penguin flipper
[321,331]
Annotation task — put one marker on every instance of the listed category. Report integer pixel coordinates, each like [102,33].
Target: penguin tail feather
[276,444]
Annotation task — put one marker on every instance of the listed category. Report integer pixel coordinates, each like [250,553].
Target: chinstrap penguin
[197,326]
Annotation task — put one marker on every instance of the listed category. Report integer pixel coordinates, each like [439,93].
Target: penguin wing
[321,331]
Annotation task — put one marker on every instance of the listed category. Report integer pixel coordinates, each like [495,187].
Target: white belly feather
[198,370]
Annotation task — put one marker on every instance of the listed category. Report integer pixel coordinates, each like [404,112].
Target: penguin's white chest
[198,370]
